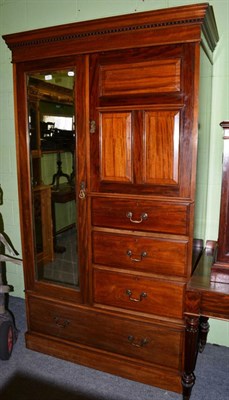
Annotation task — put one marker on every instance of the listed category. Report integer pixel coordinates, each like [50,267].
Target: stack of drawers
[140,252]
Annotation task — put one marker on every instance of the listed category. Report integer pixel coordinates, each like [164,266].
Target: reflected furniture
[44,138]
[44,226]
[136,91]
[61,195]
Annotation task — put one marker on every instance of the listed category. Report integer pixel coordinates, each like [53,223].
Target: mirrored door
[52,134]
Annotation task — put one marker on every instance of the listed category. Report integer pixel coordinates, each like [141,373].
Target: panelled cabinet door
[139,101]
[115,147]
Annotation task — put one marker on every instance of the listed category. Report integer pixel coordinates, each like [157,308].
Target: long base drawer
[155,343]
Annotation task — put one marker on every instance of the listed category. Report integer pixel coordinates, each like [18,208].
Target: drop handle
[142,255]
[135,343]
[62,323]
[129,215]
[142,296]
[82,193]
[92,126]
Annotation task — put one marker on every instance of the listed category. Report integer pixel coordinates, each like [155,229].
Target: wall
[20,15]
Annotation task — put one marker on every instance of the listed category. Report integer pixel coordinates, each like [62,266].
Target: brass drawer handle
[141,343]
[62,323]
[129,215]
[142,296]
[142,255]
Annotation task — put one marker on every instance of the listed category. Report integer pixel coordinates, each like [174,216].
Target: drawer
[133,292]
[154,216]
[155,255]
[155,343]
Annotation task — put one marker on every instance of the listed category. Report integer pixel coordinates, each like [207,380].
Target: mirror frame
[220,266]
[79,63]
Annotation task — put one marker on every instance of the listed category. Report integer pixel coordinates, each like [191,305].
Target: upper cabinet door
[141,120]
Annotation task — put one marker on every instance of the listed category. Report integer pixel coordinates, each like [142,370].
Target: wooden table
[204,298]
[63,194]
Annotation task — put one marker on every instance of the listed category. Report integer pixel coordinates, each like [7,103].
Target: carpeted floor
[30,375]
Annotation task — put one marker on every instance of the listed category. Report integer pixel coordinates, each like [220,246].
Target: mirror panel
[52,138]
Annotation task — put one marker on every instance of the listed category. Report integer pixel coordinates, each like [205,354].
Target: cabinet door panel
[115,147]
[161,148]
[142,77]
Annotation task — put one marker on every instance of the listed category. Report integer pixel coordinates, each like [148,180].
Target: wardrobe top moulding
[164,26]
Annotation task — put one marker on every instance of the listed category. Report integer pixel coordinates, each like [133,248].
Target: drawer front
[162,256]
[143,215]
[136,293]
[149,342]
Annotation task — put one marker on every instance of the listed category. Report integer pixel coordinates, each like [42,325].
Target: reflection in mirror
[52,135]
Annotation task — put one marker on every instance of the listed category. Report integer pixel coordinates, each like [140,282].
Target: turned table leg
[191,350]
[204,329]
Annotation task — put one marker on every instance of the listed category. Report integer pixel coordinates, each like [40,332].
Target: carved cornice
[165,26]
[209,29]
[102,32]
